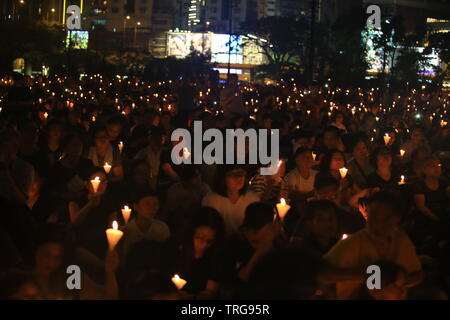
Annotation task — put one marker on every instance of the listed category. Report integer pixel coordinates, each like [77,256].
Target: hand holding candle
[387,138]
[113,235]
[95,184]
[343,172]
[178,282]
[107,167]
[282,208]
[126,212]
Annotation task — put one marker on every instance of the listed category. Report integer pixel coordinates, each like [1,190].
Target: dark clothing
[436,200]
[237,254]
[178,259]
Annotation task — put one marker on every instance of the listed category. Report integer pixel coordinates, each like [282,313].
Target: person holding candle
[337,120]
[384,177]
[318,228]
[380,239]
[144,226]
[271,188]
[103,151]
[66,180]
[256,238]
[417,139]
[196,255]
[114,127]
[359,166]
[54,252]
[50,147]
[301,180]
[230,196]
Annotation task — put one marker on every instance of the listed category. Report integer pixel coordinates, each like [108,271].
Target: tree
[36,42]
[347,54]
[280,39]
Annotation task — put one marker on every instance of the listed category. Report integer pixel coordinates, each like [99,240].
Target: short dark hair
[326,160]
[313,207]
[257,215]
[140,194]
[219,185]
[301,151]
[388,199]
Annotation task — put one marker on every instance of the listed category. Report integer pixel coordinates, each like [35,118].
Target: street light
[124,28]
[135,32]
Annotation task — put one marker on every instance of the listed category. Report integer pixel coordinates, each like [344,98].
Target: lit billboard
[222,49]
[181,44]
[77,39]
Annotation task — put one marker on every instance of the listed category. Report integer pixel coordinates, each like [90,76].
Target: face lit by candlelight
[337,161]
[101,139]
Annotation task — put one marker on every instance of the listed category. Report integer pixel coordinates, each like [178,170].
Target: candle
[282,208]
[107,167]
[95,184]
[344,236]
[186,153]
[402,180]
[443,123]
[387,138]
[178,282]
[402,153]
[314,156]
[45,115]
[113,235]
[343,172]
[308,112]
[126,212]
[120,146]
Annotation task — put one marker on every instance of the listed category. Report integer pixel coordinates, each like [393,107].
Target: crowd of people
[363,172]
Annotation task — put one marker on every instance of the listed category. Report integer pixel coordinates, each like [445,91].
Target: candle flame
[282,201]
[115,225]
[97,179]
[344,236]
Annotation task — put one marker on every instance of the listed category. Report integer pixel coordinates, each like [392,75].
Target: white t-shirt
[232,213]
[296,182]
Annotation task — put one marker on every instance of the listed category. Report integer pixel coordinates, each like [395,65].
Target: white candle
[45,115]
[387,138]
[114,235]
[344,236]
[314,156]
[95,184]
[107,167]
[126,212]
[178,282]
[343,172]
[186,153]
[402,180]
[402,153]
[282,208]
[120,146]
